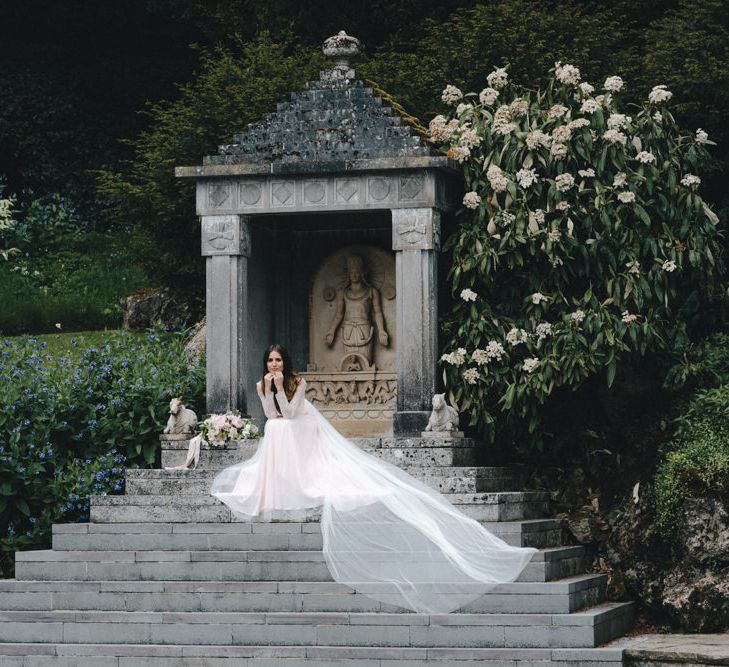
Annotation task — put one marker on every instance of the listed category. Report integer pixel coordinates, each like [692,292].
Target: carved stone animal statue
[182,420]
[444,417]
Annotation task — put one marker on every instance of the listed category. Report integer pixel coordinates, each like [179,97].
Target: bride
[385,534]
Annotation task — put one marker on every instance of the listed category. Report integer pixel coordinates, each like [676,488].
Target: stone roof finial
[341,47]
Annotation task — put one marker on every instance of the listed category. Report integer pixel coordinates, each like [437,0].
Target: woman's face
[274,363]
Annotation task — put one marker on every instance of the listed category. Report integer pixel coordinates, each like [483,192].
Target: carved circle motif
[314,192]
[250,193]
[329,294]
[379,188]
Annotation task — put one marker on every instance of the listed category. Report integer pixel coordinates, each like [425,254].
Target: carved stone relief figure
[357,304]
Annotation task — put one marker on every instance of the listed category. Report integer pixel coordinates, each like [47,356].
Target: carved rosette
[225,235]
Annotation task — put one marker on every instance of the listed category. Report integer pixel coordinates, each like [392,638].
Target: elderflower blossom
[669,266]
[702,137]
[481,357]
[530,365]
[554,235]
[613,84]
[462,108]
[488,96]
[502,123]
[562,206]
[519,108]
[441,130]
[561,134]
[468,294]
[504,217]
[564,182]
[526,177]
[589,106]
[615,137]
[498,79]
[578,316]
[621,178]
[471,200]
[516,337]
[586,88]
[451,95]
[567,74]
[457,358]
[629,318]
[458,153]
[659,94]
[495,350]
[617,121]
[645,157]
[658,117]
[470,138]
[471,375]
[626,197]
[633,267]
[587,173]
[537,138]
[537,298]
[543,330]
[558,151]
[689,180]
[556,111]
[496,178]
[578,123]
[536,220]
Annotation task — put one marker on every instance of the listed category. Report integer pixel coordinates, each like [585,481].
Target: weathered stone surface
[151,307]
[195,345]
[705,533]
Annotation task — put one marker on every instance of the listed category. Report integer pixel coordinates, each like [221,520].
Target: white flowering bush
[6,222]
[583,240]
[219,430]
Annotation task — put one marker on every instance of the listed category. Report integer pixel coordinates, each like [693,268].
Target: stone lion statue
[444,417]
[182,421]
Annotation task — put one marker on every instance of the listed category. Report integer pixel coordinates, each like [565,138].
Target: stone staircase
[164,576]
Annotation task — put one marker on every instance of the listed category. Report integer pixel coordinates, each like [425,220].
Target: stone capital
[415,229]
[225,235]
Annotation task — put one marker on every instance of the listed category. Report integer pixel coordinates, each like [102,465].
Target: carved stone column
[226,243]
[416,241]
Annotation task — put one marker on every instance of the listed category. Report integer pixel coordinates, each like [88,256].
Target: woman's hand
[268,377]
[278,379]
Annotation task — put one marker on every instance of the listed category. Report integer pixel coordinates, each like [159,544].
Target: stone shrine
[321,227]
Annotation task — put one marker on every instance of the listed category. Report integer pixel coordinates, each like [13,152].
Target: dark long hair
[291,379]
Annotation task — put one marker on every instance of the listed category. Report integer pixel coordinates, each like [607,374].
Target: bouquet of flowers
[219,430]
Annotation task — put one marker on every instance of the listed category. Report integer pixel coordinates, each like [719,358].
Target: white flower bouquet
[219,430]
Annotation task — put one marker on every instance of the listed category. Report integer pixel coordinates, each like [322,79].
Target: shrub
[582,241]
[6,224]
[69,423]
[696,463]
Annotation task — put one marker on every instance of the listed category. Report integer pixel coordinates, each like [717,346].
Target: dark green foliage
[234,87]
[70,422]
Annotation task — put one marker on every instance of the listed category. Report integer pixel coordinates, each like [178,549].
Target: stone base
[441,435]
[410,423]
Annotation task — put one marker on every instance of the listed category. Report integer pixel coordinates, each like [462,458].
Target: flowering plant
[582,240]
[219,430]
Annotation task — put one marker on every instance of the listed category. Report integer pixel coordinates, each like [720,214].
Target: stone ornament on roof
[342,47]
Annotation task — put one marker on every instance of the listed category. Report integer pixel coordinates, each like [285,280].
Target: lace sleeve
[289,409]
[269,407]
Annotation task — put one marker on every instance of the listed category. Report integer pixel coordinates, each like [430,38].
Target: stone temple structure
[321,227]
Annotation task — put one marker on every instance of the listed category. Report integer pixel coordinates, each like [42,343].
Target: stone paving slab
[708,649]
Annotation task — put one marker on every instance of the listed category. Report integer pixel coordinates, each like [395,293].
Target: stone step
[558,597]
[230,536]
[497,506]
[412,456]
[228,655]
[582,629]
[221,565]
[456,479]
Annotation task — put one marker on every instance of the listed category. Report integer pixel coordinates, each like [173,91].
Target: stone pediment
[337,120]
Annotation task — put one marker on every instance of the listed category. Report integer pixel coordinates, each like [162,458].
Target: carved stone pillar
[416,241]
[226,243]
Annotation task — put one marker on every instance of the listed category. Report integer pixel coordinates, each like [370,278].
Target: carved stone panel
[283,194]
[349,314]
[415,229]
[225,235]
[220,196]
[315,193]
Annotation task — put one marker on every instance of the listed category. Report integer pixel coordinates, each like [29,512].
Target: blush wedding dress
[385,534]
